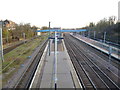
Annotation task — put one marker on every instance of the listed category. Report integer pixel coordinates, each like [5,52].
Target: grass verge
[14,59]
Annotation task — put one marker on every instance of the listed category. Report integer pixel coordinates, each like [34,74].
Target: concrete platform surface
[64,77]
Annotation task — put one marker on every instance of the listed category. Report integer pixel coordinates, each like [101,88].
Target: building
[38,33]
[9,24]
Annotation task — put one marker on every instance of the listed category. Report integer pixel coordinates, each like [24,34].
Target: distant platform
[99,45]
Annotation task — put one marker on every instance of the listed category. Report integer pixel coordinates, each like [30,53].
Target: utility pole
[49,38]
[84,34]
[1,44]
[110,52]
[7,36]
[89,34]
[55,62]
[24,37]
[94,34]
[104,36]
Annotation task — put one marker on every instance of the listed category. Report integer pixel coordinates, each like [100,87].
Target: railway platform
[66,75]
[100,46]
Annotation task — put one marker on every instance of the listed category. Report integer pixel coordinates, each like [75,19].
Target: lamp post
[24,37]
[1,45]
[110,52]
[104,36]
[49,38]
[94,34]
[55,62]
[89,34]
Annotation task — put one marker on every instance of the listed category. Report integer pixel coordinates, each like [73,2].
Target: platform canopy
[59,30]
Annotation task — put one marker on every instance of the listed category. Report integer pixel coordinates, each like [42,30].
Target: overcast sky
[61,13]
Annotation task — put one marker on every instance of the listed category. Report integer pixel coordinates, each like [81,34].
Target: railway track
[7,50]
[90,75]
[26,78]
[115,62]
[11,48]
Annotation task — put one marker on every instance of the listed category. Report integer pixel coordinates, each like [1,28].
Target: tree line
[107,29]
[21,31]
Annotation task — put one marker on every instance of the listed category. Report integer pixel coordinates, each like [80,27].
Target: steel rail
[83,54]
